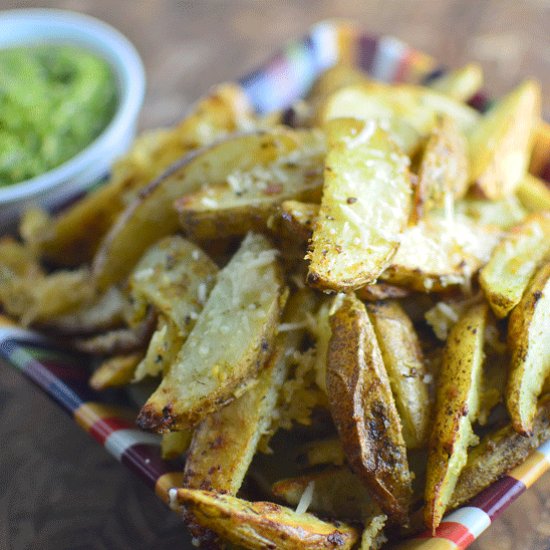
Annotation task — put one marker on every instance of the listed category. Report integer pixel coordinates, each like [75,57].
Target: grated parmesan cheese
[306,498]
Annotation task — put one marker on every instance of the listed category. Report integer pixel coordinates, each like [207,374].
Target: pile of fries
[346,305]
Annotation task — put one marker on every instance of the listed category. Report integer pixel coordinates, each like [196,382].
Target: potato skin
[364,411]
[264,525]
[529,344]
[402,356]
[457,407]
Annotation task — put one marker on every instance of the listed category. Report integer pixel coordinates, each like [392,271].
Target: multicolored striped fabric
[109,416]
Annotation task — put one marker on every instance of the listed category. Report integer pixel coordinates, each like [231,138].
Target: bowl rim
[111,45]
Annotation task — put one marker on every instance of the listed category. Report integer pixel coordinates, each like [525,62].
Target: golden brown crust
[529,345]
[364,411]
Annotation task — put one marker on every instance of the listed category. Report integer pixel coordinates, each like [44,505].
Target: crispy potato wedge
[404,364]
[529,344]
[500,144]
[248,198]
[35,298]
[533,193]
[503,213]
[408,112]
[381,291]
[541,144]
[336,493]
[364,410]
[261,525]
[443,171]
[513,262]
[460,84]
[498,453]
[174,276]
[365,206]
[225,442]
[229,343]
[152,216]
[115,371]
[440,252]
[174,444]
[457,407]
[76,234]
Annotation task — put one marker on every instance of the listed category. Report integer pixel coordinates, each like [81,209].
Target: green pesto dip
[54,101]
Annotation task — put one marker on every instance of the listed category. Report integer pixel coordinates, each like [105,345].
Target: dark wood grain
[59,489]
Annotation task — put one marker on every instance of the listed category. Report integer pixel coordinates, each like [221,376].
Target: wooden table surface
[60,490]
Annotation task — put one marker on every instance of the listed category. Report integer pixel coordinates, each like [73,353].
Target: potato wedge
[225,442]
[174,444]
[460,84]
[408,112]
[174,276]
[365,206]
[513,262]
[34,298]
[76,234]
[503,213]
[261,525]
[115,371]
[364,411]
[498,453]
[249,197]
[404,364]
[443,171]
[533,193]
[152,216]
[440,252]
[529,344]
[229,343]
[336,493]
[457,407]
[500,144]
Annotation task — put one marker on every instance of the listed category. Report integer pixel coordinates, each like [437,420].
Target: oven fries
[514,261]
[322,291]
[365,206]
[530,349]
[457,408]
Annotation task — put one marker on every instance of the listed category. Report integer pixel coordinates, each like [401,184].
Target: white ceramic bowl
[38,26]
